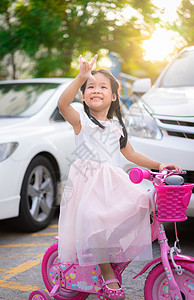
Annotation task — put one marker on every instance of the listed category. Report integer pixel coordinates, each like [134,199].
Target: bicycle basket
[172,202]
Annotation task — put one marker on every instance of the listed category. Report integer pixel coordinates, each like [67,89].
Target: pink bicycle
[172,276]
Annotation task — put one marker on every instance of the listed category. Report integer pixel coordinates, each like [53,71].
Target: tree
[9,43]
[51,33]
[184,24]
[186,16]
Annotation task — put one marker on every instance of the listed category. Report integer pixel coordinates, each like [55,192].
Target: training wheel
[39,295]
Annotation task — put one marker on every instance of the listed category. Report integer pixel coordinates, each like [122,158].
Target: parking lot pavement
[21,256]
[20,263]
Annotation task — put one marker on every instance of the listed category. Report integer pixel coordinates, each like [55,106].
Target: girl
[105,219]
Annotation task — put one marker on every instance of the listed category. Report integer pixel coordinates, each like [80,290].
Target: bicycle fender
[179,257]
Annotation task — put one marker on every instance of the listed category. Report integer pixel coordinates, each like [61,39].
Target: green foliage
[49,34]
[52,32]
[186,15]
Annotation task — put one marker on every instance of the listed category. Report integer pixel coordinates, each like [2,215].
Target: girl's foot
[108,273]
[110,293]
[112,284]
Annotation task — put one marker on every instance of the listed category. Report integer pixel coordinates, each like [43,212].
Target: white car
[36,149]
[161,122]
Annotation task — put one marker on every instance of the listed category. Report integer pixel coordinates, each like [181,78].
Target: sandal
[107,293]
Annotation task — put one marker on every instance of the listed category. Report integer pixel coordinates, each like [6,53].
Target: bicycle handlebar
[136,175]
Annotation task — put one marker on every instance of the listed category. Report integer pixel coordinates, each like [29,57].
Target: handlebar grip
[136,175]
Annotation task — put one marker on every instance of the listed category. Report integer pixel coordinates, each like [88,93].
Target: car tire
[38,195]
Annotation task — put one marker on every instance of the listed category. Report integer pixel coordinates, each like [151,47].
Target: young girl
[106,219]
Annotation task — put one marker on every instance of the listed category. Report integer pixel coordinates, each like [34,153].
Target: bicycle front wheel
[156,285]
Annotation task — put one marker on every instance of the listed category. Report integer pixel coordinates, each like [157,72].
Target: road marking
[23,267]
[53,226]
[18,286]
[33,234]
[23,245]
[44,234]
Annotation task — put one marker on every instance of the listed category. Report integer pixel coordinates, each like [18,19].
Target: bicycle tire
[49,258]
[39,295]
[156,285]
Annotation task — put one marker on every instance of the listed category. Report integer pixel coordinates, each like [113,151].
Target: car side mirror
[141,86]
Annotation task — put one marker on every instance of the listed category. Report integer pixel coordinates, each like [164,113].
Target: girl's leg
[107,273]
[106,269]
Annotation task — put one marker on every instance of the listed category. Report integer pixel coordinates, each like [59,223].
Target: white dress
[103,216]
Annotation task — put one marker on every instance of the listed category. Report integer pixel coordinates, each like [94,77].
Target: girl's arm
[144,161]
[67,97]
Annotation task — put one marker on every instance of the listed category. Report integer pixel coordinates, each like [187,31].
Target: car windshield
[24,100]
[181,72]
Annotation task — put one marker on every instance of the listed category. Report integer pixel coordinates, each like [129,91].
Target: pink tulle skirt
[103,216]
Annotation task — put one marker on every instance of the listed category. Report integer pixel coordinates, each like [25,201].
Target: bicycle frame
[158,233]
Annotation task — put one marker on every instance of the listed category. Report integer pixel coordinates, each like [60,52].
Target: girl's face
[98,93]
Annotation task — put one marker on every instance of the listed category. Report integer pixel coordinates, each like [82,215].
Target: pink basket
[172,202]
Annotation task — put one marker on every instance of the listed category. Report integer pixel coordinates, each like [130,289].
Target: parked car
[36,149]
[161,122]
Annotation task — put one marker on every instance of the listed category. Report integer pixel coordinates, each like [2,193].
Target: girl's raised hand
[85,67]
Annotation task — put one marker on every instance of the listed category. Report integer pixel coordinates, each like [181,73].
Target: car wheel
[38,195]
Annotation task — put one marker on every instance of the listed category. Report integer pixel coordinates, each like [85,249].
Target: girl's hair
[114,109]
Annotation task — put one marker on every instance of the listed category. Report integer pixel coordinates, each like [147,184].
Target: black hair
[114,109]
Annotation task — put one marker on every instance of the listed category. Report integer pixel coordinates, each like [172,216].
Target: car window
[181,72]
[57,116]
[24,100]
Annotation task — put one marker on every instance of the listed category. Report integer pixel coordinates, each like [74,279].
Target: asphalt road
[21,255]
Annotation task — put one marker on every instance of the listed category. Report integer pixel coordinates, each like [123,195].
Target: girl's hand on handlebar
[85,67]
[169,167]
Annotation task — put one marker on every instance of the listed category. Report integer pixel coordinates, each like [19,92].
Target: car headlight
[6,149]
[141,124]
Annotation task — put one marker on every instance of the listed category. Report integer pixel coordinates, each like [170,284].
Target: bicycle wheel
[39,295]
[49,258]
[156,285]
